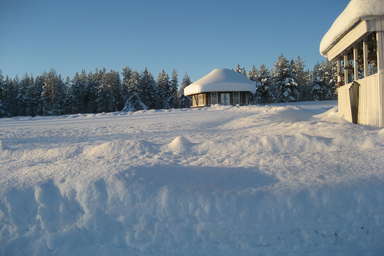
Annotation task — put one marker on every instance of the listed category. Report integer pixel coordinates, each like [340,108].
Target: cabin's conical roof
[221,80]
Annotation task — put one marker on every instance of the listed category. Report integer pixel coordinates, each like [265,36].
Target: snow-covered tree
[324,82]
[79,92]
[297,69]
[174,84]
[148,92]
[163,85]
[184,101]
[108,92]
[285,86]
[53,94]
[240,69]
[262,76]
[131,83]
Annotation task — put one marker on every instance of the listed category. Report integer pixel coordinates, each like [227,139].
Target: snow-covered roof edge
[221,80]
[355,11]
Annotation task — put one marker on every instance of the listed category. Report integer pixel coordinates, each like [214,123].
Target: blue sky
[190,36]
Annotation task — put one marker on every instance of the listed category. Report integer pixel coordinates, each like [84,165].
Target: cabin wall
[369,101]
[213,98]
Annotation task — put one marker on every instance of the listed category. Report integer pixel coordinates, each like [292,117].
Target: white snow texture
[221,80]
[354,12]
[274,180]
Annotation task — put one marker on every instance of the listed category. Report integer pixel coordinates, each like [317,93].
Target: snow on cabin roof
[221,80]
[353,13]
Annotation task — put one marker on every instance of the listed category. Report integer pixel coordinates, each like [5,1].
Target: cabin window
[350,66]
[360,60]
[214,98]
[372,54]
[236,98]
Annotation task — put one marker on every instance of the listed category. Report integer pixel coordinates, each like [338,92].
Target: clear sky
[192,36]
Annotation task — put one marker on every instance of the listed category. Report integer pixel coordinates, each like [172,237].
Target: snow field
[274,180]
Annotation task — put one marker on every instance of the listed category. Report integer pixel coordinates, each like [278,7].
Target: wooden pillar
[365,57]
[338,70]
[346,66]
[355,64]
[380,68]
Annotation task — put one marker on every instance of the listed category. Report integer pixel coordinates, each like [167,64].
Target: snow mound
[292,144]
[353,13]
[180,145]
[113,149]
[221,80]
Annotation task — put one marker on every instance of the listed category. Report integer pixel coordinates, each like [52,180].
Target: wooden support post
[346,66]
[380,69]
[365,56]
[355,64]
[338,70]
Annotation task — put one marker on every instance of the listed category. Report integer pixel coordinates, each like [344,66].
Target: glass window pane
[360,60]
[349,66]
[372,54]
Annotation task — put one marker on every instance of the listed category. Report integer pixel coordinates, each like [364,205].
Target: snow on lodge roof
[221,80]
[356,11]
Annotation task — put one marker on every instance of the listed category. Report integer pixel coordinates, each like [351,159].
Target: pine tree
[174,84]
[3,111]
[184,101]
[264,89]
[79,92]
[126,73]
[240,69]
[285,87]
[163,85]
[133,101]
[324,82]
[53,94]
[148,92]
[108,92]
[25,96]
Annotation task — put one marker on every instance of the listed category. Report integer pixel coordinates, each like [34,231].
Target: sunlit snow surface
[257,180]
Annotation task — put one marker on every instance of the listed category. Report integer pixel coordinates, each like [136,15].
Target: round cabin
[221,86]
[355,42]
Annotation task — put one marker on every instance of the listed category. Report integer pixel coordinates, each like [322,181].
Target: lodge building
[221,86]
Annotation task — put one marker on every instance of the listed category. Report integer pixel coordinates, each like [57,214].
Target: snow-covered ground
[258,180]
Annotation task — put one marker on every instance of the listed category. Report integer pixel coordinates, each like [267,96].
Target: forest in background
[129,90]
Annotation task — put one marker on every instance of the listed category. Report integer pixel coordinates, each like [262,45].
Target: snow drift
[274,180]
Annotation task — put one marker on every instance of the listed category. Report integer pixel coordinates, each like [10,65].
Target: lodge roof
[221,80]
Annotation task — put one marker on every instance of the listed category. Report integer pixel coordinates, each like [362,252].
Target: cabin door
[225,99]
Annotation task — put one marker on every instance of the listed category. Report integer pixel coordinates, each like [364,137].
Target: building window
[360,60]
[372,54]
[201,100]
[236,98]
[350,66]
[214,98]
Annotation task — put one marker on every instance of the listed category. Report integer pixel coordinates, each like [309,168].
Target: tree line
[130,90]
